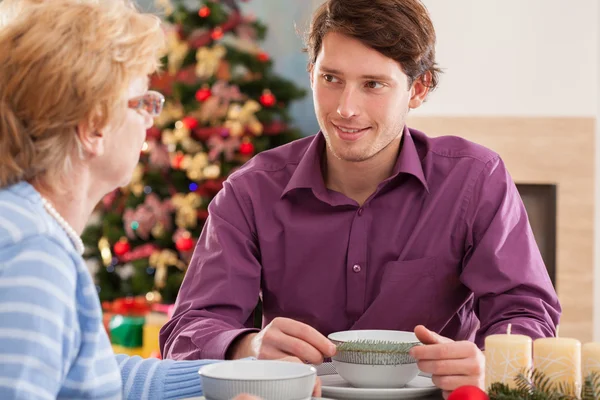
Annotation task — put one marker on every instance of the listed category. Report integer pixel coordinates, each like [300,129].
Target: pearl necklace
[65,225]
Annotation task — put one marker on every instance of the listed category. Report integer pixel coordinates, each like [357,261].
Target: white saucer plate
[336,387]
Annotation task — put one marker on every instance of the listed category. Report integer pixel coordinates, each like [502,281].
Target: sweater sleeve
[160,379]
[37,319]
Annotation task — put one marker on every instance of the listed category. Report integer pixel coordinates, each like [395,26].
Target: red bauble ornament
[204,12]
[247,148]
[184,243]
[203,94]
[122,247]
[468,393]
[267,99]
[263,56]
[190,122]
[217,34]
[153,133]
[177,160]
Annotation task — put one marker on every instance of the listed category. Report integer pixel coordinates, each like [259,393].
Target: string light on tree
[267,99]
[153,297]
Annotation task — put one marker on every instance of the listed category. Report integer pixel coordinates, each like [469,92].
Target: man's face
[361,98]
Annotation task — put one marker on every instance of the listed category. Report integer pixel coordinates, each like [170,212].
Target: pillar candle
[559,359]
[506,356]
[590,358]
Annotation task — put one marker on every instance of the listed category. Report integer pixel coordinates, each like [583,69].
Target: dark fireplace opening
[540,203]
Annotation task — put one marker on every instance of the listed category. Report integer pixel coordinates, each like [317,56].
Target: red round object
[190,122]
[263,56]
[184,243]
[247,148]
[203,94]
[217,34]
[468,393]
[122,247]
[153,133]
[267,99]
[204,12]
[177,160]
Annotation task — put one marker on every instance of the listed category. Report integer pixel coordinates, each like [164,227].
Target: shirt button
[356,268]
[360,211]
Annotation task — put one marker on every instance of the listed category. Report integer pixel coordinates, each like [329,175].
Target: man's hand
[284,337]
[452,364]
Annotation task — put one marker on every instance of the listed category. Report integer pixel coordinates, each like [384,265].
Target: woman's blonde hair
[63,62]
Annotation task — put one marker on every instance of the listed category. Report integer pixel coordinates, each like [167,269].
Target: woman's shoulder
[39,256]
[22,215]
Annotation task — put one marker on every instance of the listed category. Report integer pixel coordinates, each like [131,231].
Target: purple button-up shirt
[444,242]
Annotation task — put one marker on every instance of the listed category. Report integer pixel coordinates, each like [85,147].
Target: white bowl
[376,376]
[269,380]
[374,369]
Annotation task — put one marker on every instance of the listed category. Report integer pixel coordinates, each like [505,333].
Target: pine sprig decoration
[535,385]
[591,386]
[376,346]
[375,352]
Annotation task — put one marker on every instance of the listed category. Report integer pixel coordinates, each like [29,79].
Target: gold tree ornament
[177,135]
[136,184]
[176,51]
[194,166]
[161,261]
[105,252]
[212,171]
[158,230]
[186,207]
[191,146]
[171,112]
[241,117]
[208,60]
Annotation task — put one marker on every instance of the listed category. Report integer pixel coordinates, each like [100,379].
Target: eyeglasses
[152,102]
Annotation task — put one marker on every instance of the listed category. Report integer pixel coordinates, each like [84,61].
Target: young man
[369,224]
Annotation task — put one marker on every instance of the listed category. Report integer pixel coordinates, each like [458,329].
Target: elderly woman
[74,109]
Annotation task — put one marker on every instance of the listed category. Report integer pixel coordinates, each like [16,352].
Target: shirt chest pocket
[406,295]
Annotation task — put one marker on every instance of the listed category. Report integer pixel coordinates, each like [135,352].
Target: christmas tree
[223,105]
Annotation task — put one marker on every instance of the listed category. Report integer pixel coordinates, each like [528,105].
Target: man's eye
[374,85]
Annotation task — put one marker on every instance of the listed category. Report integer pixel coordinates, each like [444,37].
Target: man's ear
[311,69]
[91,139]
[419,90]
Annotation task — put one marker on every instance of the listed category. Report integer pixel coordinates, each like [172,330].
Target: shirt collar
[308,173]
[409,160]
